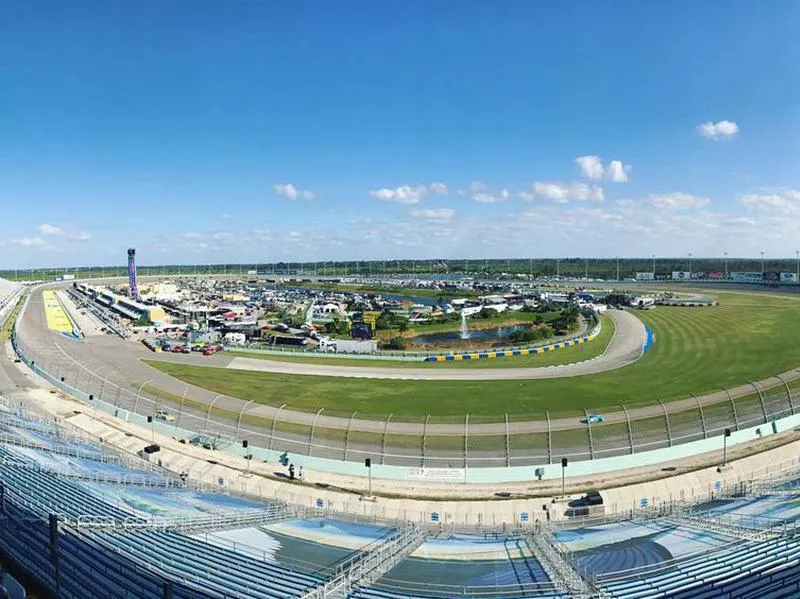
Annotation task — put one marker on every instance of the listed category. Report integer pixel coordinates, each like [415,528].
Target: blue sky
[244,131]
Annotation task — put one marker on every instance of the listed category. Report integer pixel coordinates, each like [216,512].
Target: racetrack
[624,348]
[113,369]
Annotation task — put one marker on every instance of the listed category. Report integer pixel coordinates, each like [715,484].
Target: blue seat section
[380,593]
[230,572]
[85,467]
[481,570]
[55,494]
[84,569]
[709,575]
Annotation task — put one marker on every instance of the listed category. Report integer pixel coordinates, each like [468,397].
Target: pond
[498,334]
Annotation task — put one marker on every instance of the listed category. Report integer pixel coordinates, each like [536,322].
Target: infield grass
[697,350]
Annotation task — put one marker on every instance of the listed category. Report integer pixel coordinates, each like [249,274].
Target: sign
[681,275]
[716,275]
[772,276]
[718,484]
[320,502]
[643,502]
[523,517]
[434,516]
[747,277]
[445,475]
[788,277]
[645,276]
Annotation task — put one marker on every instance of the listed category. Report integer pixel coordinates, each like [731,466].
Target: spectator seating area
[82,520]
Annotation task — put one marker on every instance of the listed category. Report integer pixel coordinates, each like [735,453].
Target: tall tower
[132,283]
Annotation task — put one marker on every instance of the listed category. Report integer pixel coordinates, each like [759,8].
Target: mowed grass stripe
[697,350]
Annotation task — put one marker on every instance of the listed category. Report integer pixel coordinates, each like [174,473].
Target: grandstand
[9,292]
[82,520]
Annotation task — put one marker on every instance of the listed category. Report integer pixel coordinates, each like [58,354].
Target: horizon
[265,133]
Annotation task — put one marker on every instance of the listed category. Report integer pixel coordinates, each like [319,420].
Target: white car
[165,416]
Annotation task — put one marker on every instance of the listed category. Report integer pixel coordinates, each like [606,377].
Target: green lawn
[8,325]
[567,355]
[697,350]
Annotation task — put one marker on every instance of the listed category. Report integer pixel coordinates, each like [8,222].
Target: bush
[399,343]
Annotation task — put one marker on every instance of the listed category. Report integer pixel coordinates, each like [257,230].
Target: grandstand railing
[205,522]
[371,563]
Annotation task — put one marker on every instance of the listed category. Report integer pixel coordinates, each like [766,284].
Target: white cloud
[439,188]
[478,187]
[592,168]
[405,194]
[46,229]
[29,242]
[288,190]
[483,197]
[564,192]
[80,236]
[782,201]
[719,130]
[616,171]
[434,213]
[677,201]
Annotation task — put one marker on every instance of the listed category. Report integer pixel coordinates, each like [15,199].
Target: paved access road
[624,348]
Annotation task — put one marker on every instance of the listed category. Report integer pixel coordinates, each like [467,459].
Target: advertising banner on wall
[716,276]
[645,276]
[681,275]
[445,475]
[788,277]
[747,277]
[772,276]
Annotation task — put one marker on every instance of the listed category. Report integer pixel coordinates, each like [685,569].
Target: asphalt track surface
[624,348]
[113,370]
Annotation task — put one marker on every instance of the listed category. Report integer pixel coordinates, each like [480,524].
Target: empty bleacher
[115,539]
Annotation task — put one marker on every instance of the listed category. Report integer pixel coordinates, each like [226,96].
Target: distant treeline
[593,268]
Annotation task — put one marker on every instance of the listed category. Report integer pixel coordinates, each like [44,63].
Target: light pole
[762,263]
[726,265]
[563,477]
[690,265]
[368,465]
[558,268]
[797,256]
[586,269]
[725,447]
[654,266]
[617,272]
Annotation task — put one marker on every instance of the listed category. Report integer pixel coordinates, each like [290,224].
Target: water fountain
[310,313]
[464,327]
